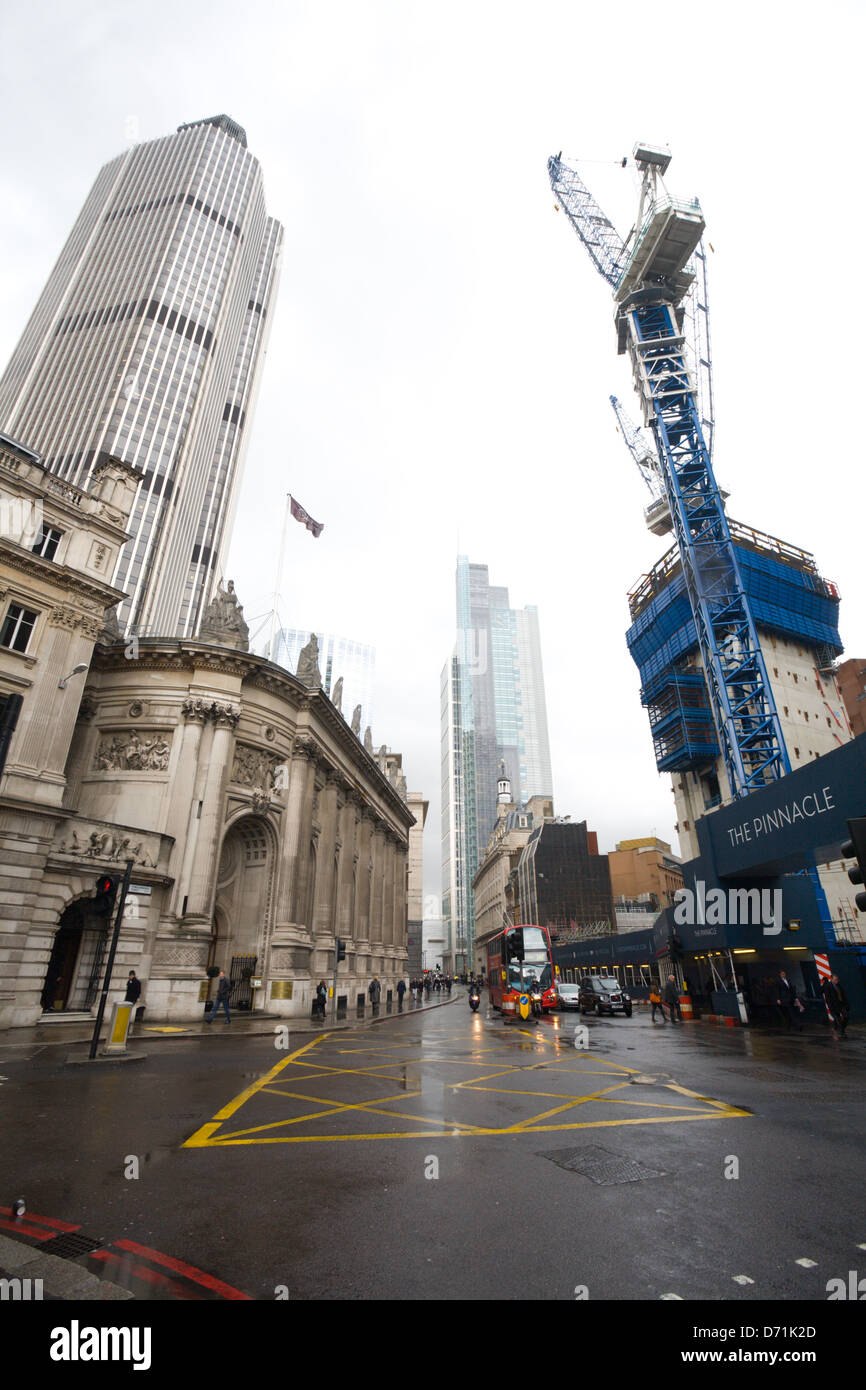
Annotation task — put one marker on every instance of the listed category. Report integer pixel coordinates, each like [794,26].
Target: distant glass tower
[338,656]
[493,713]
[147,343]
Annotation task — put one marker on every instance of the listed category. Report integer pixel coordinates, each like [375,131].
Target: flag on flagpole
[305,519]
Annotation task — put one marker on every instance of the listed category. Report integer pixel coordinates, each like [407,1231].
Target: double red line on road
[44,1228]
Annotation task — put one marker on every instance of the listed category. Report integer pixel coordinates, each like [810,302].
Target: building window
[48,541]
[17,627]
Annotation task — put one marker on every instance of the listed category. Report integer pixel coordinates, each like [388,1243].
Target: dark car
[603,994]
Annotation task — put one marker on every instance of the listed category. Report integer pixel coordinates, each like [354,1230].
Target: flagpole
[279,576]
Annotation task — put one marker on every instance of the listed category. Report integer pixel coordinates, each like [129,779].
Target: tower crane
[643,451]
[651,278]
[658,278]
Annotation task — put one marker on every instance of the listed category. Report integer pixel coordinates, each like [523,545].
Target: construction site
[735,633]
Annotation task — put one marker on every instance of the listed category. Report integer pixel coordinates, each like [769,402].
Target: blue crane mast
[658,278]
[650,276]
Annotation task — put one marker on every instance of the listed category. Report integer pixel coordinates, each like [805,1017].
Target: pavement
[57,1033]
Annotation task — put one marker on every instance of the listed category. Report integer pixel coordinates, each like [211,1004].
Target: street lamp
[76,671]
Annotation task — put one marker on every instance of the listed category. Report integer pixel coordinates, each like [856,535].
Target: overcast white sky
[443,350]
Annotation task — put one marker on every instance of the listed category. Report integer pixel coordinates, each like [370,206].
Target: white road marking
[743,1279]
[677,1296]
[807,1264]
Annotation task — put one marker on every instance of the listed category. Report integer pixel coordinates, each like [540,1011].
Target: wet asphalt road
[412,1159]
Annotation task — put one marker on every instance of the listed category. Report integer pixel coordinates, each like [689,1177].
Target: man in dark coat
[401,990]
[375,993]
[672,999]
[837,1003]
[786,1000]
[133,989]
[224,989]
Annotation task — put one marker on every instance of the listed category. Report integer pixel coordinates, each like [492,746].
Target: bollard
[117,1034]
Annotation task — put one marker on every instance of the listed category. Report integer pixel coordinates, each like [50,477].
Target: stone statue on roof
[337,697]
[223,622]
[308,663]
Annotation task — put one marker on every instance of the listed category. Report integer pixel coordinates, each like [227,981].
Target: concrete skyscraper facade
[146,345]
[492,710]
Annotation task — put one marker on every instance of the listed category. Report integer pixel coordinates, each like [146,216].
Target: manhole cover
[69,1245]
[600,1165]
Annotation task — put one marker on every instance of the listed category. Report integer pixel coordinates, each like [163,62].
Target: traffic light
[105,896]
[855,848]
[675,945]
[514,945]
[341,949]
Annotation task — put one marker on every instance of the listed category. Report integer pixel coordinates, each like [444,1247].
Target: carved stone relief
[99,843]
[141,750]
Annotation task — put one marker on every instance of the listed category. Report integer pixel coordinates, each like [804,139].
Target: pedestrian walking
[837,1004]
[224,989]
[321,999]
[401,990]
[656,1001]
[672,999]
[133,989]
[447,984]
[787,1001]
[375,993]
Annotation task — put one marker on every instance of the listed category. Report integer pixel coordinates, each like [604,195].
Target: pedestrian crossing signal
[106,893]
[514,945]
[341,949]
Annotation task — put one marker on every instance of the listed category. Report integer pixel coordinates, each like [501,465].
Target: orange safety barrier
[686,1006]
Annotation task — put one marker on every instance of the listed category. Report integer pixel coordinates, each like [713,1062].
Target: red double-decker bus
[503,970]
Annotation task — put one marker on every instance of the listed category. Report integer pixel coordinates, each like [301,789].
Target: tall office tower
[147,344]
[492,710]
[339,657]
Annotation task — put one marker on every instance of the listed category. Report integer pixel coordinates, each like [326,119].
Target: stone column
[187,789]
[364,840]
[388,892]
[401,915]
[48,714]
[304,904]
[202,884]
[378,858]
[326,884]
[296,829]
[348,860]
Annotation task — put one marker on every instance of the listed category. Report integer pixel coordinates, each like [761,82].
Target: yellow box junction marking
[562,1060]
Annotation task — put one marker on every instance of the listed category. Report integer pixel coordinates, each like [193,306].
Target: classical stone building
[58,545]
[495,885]
[259,826]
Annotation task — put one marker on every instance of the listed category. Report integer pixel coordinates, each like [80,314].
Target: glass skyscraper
[338,656]
[492,710]
[147,344]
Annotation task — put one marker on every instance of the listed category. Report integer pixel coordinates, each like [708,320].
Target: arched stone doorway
[77,952]
[242,910]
